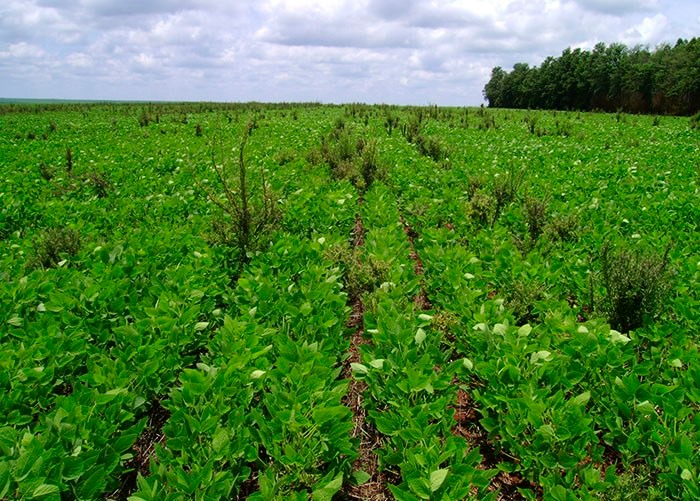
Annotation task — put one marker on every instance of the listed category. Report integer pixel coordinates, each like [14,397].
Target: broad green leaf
[386,425]
[525,330]
[4,478]
[72,468]
[500,329]
[582,399]
[15,321]
[419,486]
[360,477]
[220,439]
[437,478]
[257,374]
[468,364]
[359,368]
[646,407]
[324,415]
[306,309]
[377,363]
[93,484]
[420,336]
[542,355]
[616,337]
[45,490]
[200,326]
[326,492]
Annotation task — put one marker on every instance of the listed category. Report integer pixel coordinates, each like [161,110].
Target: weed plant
[637,285]
[54,245]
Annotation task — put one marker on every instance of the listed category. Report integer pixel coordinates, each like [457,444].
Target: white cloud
[79,60]
[410,51]
[649,30]
[23,51]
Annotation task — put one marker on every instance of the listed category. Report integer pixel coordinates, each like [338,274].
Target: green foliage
[637,285]
[480,369]
[610,78]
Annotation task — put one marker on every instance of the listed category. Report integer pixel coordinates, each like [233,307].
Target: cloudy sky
[377,51]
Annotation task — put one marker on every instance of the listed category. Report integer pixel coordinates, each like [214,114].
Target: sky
[374,51]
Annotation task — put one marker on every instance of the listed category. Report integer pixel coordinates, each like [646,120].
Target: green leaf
[93,484]
[45,490]
[257,374]
[110,395]
[646,408]
[385,425]
[325,414]
[616,337]
[15,321]
[4,478]
[327,492]
[525,330]
[72,468]
[419,486]
[543,355]
[468,364]
[378,363]
[437,478]
[200,326]
[686,474]
[420,336]
[360,477]
[582,399]
[220,439]
[359,368]
[306,308]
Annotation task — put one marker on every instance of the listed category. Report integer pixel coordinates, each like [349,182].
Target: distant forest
[608,78]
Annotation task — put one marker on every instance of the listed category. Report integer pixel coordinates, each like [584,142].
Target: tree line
[608,78]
